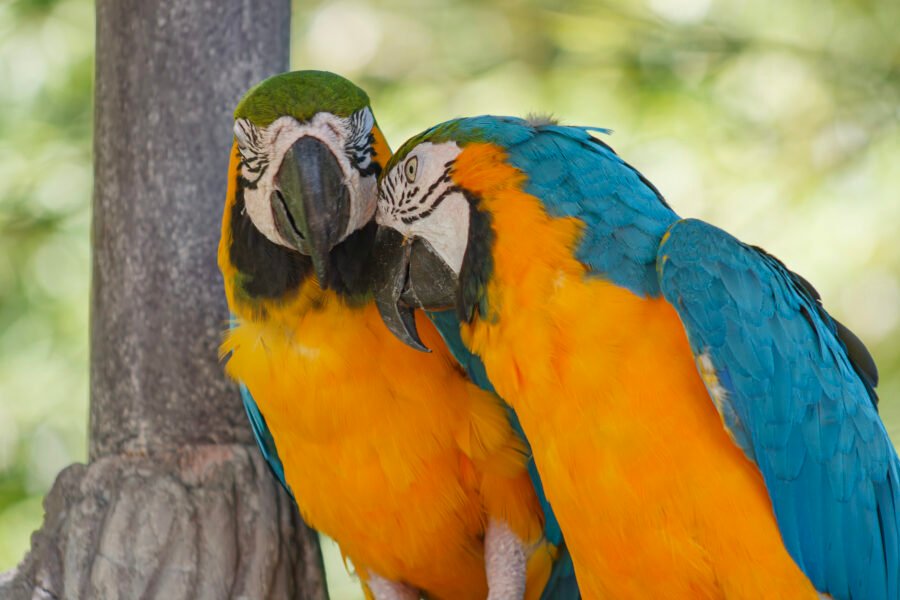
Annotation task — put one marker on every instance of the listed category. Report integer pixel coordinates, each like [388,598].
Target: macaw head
[310,153]
[434,239]
[472,210]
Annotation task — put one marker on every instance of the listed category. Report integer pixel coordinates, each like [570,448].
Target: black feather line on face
[478,263]
[433,207]
[253,160]
[373,169]
[268,270]
[423,201]
[358,153]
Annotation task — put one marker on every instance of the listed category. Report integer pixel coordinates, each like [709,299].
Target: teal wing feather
[262,435]
[562,584]
[799,399]
[798,386]
[264,438]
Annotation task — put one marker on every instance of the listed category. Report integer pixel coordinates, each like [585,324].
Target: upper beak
[312,204]
[409,274]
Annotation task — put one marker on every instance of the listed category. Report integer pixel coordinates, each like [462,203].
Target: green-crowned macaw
[417,473]
[625,338]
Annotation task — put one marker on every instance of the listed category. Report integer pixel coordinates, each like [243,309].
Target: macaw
[702,426]
[418,474]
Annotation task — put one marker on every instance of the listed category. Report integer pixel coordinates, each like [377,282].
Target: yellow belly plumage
[390,451]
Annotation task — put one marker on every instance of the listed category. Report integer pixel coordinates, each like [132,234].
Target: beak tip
[401,323]
[418,345]
[397,314]
[400,320]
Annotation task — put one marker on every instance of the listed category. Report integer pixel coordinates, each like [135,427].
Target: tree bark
[175,502]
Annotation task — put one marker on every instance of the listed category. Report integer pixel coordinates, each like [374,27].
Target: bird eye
[410,168]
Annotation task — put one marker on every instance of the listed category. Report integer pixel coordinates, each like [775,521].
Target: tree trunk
[175,502]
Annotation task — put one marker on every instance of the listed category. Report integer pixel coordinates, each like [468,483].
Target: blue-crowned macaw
[625,338]
[417,473]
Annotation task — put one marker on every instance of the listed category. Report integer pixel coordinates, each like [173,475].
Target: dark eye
[409,169]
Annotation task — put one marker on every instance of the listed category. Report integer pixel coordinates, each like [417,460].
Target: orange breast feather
[653,497]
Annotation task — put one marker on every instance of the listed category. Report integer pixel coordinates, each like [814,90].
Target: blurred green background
[775,120]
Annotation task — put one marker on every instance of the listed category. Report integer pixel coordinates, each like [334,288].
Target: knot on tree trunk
[202,522]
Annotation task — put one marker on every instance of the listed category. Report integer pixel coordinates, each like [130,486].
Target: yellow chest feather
[390,451]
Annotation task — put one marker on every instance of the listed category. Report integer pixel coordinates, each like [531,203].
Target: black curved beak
[410,274]
[312,203]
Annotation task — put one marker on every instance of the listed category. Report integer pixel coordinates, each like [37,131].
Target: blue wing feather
[262,435]
[264,438]
[800,397]
[562,584]
[798,402]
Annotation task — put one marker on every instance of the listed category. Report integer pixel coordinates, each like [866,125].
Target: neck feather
[540,297]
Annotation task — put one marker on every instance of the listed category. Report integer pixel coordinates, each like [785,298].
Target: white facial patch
[263,151]
[447,229]
[419,199]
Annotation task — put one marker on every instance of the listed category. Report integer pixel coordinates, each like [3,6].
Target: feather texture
[797,402]
[391,452]
[562,584]
[263,437]
[623,395]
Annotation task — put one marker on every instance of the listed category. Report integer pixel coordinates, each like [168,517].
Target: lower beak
[409,274]
[312,203]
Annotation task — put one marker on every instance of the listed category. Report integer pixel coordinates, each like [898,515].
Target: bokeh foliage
[775,120]
[46,62]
